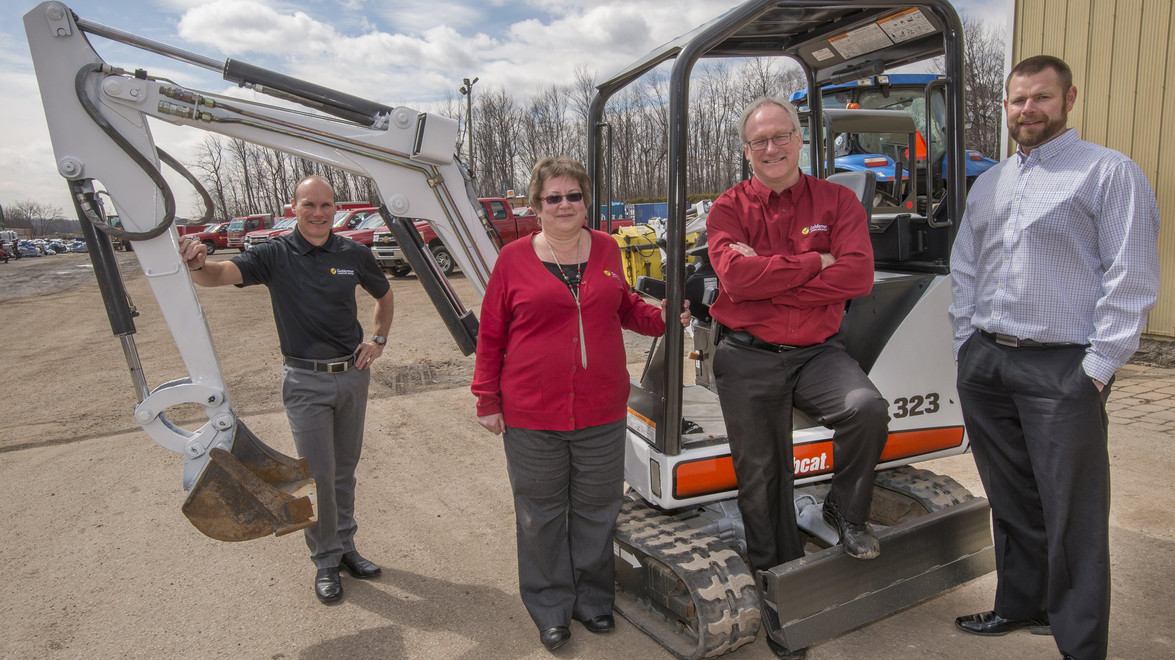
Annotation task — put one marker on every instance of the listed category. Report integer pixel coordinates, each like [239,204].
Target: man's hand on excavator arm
[194,255]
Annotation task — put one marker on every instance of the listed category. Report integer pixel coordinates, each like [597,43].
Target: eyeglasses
[781,140]
[558,199]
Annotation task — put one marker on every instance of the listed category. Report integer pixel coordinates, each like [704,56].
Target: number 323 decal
[916,405]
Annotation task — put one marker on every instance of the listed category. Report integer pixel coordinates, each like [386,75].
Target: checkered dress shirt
[1059,246]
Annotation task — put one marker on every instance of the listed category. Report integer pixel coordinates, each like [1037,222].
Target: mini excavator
[681,573]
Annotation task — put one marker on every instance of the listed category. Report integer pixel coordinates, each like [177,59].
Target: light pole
[467,90]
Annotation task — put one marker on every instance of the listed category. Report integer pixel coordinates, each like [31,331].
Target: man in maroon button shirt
[790,250]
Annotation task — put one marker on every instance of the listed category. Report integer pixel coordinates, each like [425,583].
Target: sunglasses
[558,199]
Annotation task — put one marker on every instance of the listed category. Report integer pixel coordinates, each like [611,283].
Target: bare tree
[37,216]
[983,81]
[496,140]
[511,134]
[983,62]
[210,160]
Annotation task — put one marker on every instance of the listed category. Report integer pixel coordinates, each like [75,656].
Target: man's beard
[1039,134]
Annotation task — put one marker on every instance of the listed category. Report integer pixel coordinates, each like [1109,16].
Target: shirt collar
[304,246]
[1051,148]
[764,193]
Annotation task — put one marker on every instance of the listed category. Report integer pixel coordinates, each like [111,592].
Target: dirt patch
[72,377]
[36,276]
[425,375]
[106,566]
[1155,352]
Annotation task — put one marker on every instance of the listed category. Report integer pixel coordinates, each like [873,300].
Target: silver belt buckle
[1007,340]
[336,367]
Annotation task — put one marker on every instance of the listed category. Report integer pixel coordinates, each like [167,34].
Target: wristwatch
[379,340]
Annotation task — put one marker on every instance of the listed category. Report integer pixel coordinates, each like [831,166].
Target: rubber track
[934,491]
[719,582]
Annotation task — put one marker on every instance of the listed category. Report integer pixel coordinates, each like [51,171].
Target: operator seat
[863,184]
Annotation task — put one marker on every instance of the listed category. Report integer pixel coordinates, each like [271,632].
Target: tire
[444,260]
[400,271]
[211,247]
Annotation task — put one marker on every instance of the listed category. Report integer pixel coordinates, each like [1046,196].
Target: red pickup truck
[345,220]
[509,224]
[510,227]
[364,233]
[281,227]
[214,236]
[238,227]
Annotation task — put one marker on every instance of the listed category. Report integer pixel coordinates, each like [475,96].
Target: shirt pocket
[526,395]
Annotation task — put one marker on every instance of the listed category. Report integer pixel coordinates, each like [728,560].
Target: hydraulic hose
[147,166]
[191,178]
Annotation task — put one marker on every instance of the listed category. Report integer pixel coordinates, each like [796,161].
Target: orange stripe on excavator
[716,474]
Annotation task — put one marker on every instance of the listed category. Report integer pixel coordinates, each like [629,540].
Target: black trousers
[1038,430]
[568,487]
[757,389]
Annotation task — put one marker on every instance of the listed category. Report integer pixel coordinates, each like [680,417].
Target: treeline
[511,134]
[243,178]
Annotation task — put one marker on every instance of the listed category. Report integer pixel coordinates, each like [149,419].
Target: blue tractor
[911,93]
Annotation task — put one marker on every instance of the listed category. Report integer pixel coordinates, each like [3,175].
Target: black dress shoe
[327,585]
[858,540]
[600,624]
[991,624]
[781,651]
[357,566]
[554,637]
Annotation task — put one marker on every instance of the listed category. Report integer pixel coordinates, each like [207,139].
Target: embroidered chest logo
[614,275]
[341,271]
[813,228]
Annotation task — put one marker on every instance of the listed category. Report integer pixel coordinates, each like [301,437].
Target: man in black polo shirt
[312,275]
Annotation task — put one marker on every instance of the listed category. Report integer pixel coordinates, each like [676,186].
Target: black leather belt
[747,339]
[1016,342]
[326,366]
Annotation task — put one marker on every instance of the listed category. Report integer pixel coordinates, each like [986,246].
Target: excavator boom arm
[98,122]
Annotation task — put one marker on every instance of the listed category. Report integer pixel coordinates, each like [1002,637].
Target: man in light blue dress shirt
[1055,267]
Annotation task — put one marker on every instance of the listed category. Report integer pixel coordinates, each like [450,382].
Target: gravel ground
[102,564]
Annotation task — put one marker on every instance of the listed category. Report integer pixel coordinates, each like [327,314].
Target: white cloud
[412,52]
[237,27]
[27,165]
[417,16]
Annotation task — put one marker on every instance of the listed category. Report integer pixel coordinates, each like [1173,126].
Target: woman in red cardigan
[551,375]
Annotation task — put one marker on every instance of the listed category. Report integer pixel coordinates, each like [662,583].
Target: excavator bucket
[251,492]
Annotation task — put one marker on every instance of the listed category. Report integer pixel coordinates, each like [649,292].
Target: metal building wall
[1122,53]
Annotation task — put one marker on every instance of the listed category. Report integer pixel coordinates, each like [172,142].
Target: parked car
[79,246]
[282,227]
[238,227]
[350,218]
[365,232]
[508,225]
[29,249]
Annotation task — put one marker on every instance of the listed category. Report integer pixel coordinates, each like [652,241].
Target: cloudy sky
[397,52]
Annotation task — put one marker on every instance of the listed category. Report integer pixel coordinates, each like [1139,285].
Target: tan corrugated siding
[1123,57]
[1162,319]
[1077,46]
[1095,84]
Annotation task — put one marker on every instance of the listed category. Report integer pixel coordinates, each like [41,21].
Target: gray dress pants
[568,487]
[326,414]
[1038,430]
[757,389]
